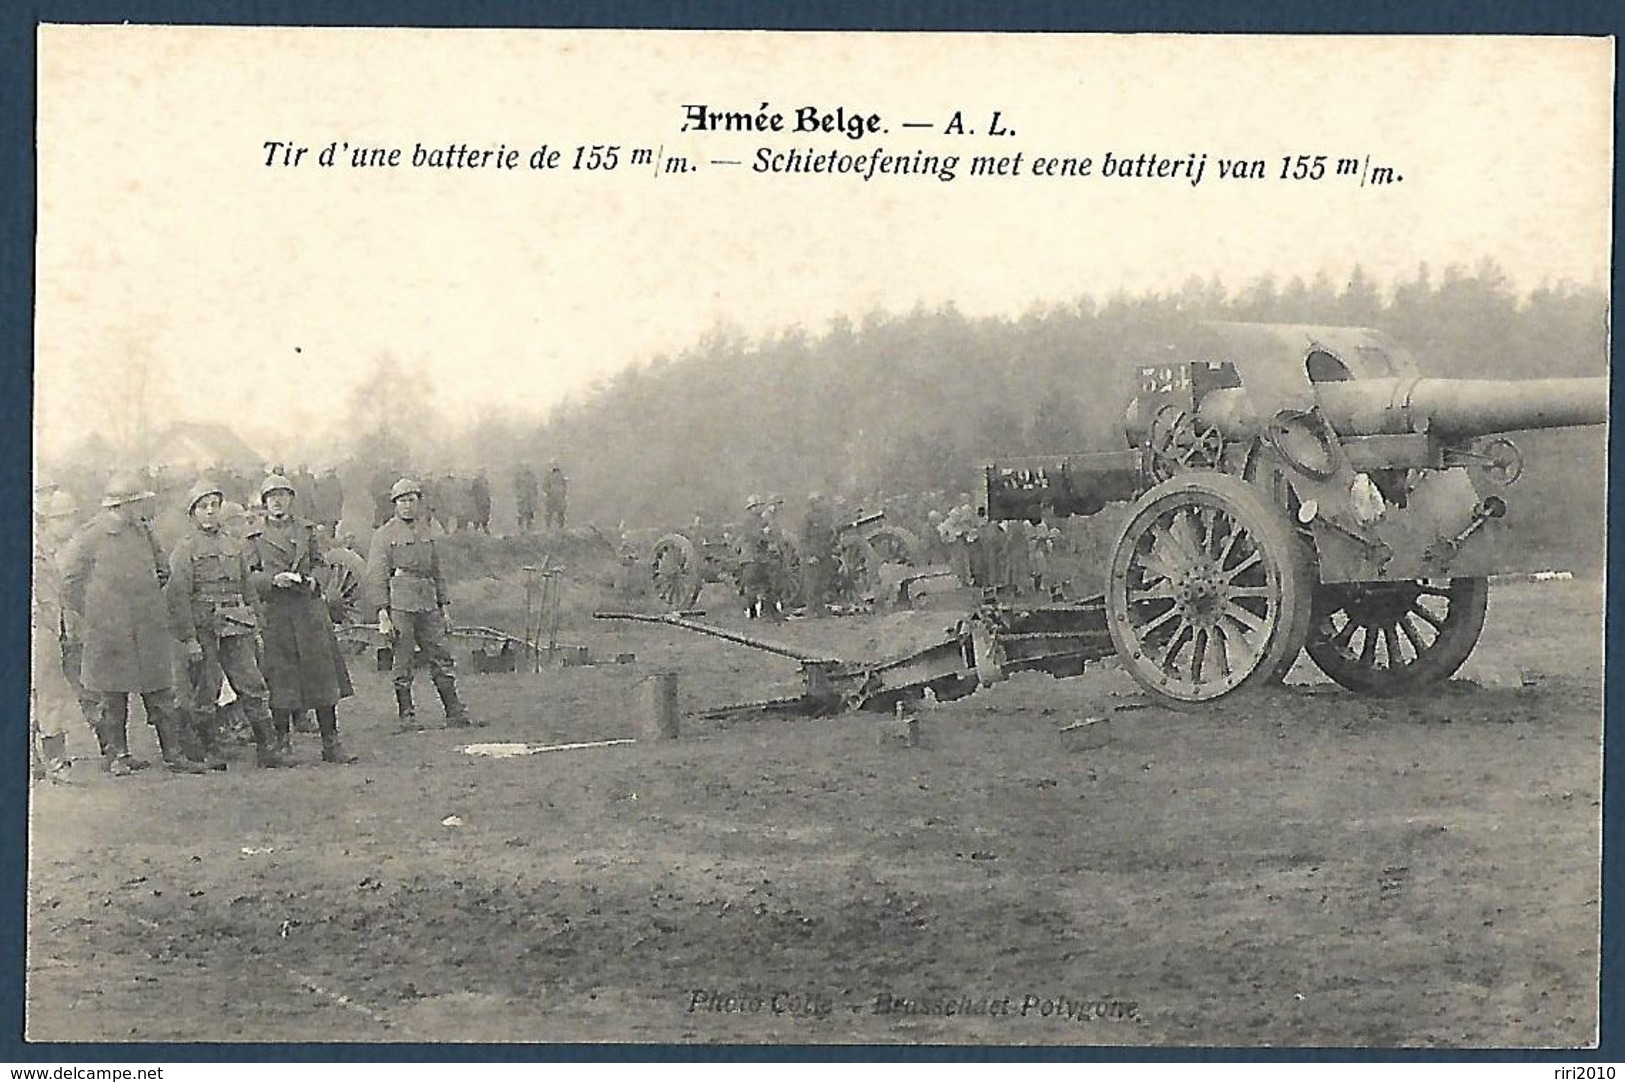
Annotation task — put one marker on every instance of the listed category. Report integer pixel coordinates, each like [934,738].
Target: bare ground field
[1301,868]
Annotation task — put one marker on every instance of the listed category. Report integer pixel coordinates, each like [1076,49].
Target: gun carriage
[1294,488]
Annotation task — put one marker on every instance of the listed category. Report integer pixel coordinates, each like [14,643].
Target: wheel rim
[1393,636]
[674,573]
[1202,598]
[893,545]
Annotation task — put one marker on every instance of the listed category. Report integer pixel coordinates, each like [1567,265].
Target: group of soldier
[1011,558]
[551,494]
[1007,557]
[237,618]
[451,501]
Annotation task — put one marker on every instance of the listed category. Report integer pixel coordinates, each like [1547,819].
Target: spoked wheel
[894,545]
[1388,638]
[859,569]
[1208,591]
[675,569]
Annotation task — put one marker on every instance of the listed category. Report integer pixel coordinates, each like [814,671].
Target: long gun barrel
[1451,409]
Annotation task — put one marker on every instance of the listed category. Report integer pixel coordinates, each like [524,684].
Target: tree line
[913,402]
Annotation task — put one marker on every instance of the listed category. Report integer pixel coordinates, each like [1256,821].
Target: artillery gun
[682,562]
[1296,488]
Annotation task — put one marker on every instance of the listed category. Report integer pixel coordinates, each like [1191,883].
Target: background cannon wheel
[1388,638]
[674,567]
[1208,591]
[857,573]
[894,545]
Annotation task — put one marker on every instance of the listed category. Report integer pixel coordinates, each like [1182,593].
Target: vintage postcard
[818,538]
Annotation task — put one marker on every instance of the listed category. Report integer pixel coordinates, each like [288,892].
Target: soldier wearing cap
[555,497]
[404,575]
[113,574]
[302,662]
[526,489]
[55,687]
[213,611]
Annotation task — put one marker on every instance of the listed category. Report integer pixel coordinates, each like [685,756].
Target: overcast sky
[261,296]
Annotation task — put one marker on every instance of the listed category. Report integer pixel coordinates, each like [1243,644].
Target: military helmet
[405,487]
[272,483]
[125,487]
[203,488]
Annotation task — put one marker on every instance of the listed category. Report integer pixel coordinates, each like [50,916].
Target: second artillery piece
[1295,488]
[681,563]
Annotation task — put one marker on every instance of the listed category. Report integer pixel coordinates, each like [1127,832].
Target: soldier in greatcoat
[409,588]
[302,663]
[555,497]
[526,491]
[479,491]
[820,544]
[55,688]
[213,609]
[113,574]
[329,499]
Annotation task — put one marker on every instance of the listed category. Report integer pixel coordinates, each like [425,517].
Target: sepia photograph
[777,538]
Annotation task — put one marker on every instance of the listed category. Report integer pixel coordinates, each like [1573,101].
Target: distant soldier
[960,531]
[329,500]
[302,665]
[409,588]
[480,496]
[555,494]
[526,490]
[55,690]
[760,558]
[819,544]
[1045,571]
[212,609]
[304,494]
[113,574]
[378,488]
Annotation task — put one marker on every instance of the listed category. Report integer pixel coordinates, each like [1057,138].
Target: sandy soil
[1301,868]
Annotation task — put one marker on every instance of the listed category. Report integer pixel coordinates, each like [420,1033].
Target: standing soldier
[403,571]
[303,665]
[555,493]
[525,491]
[480,496]
[212,609]
[329,500]
[304,494]
[113,574]
[819,542]
[55,686]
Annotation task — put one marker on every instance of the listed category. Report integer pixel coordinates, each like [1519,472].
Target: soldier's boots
[53,749]
[112,735]
[327,723]
[407,716]
[456,713]
[173,747]
[265,753]
[282,723]
[210,740]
